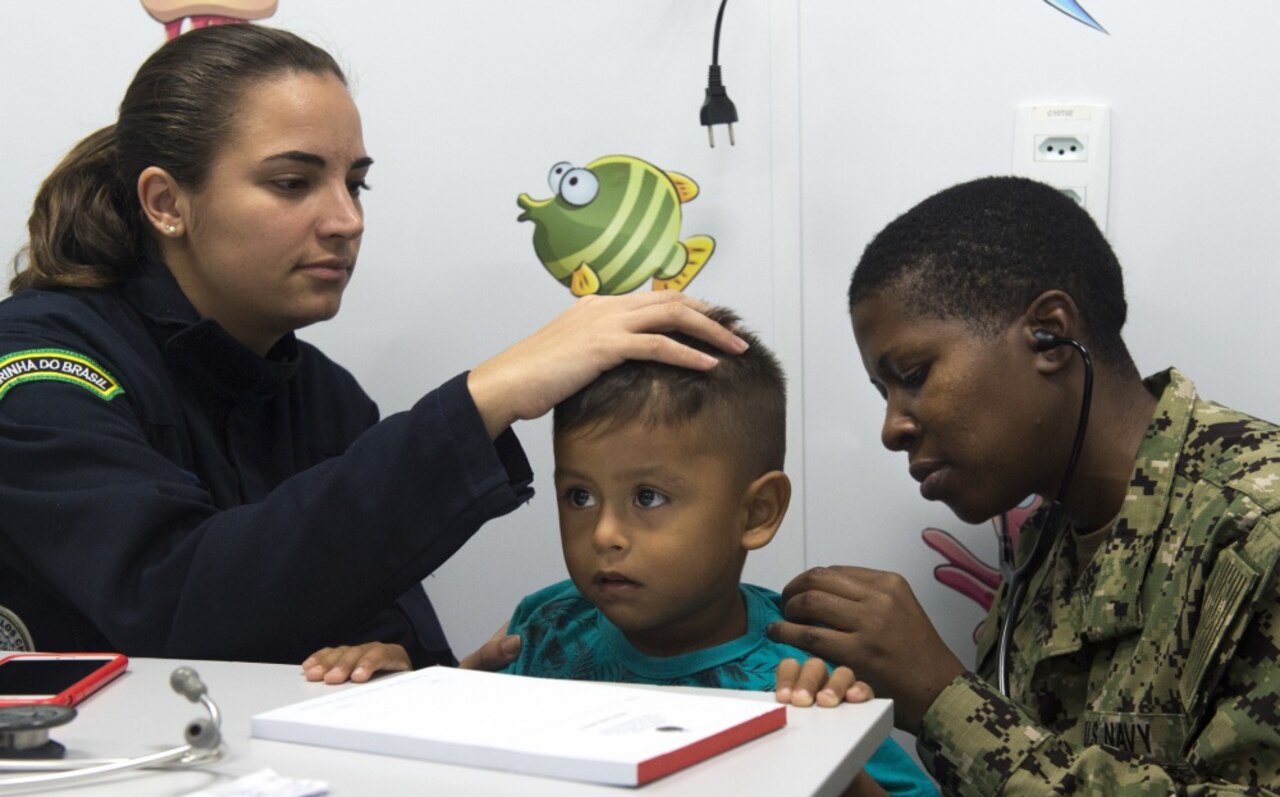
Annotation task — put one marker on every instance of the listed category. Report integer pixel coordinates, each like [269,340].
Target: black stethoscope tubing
[1017,577]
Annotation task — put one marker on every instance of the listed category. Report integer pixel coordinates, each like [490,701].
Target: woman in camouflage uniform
[1144,659]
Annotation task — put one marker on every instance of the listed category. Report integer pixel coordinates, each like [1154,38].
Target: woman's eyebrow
[311,159]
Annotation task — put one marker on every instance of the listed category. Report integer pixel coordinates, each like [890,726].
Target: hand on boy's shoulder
[803,685]
[357,663]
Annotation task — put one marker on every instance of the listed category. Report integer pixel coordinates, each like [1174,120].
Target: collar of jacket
[201,348]
[1114,606]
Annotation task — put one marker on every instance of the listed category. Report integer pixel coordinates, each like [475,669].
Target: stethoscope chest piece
[24,731]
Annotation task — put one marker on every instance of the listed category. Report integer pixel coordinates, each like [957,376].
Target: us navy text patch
[57,365]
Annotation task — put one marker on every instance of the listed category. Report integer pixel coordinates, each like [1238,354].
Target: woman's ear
[766,500]
[162,201]
[1053,314]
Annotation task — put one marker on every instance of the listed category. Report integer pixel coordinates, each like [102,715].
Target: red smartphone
[62,679]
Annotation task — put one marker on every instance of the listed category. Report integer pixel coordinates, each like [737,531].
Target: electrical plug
[717,108]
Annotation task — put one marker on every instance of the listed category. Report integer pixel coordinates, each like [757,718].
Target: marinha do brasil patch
[58,365]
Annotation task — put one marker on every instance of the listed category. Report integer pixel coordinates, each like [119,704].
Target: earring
[171,229]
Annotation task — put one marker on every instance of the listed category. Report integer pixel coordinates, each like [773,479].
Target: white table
[818,752]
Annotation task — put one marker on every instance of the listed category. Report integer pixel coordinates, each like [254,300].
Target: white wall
[467,104]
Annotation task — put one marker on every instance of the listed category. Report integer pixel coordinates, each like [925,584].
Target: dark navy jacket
[224,505]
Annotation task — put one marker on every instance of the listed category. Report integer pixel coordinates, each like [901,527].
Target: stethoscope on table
[1018,576]
[24,729]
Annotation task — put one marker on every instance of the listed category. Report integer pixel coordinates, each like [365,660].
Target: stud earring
[171,229]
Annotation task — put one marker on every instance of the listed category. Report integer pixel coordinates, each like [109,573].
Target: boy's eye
[580,498]
[648,498]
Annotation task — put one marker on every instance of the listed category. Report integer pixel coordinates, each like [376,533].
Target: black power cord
[717,108]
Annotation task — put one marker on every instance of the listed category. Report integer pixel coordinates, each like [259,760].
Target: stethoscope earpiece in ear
[1046,340]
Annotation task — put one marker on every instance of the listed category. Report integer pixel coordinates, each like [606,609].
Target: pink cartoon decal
[201,15]
[965,572]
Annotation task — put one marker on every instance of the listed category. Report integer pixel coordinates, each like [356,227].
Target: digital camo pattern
[1154,671]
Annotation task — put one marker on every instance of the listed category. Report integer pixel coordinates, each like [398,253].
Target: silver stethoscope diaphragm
[24,730]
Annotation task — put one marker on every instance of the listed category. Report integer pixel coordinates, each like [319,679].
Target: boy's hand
[864,786]
[355,662]
[870,620]
[803,685]
[501,649]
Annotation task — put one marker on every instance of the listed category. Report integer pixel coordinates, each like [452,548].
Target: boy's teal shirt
[565,636]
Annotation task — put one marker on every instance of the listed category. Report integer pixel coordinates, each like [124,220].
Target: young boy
[665,479]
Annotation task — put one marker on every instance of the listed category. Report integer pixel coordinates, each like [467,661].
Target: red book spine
[703,749]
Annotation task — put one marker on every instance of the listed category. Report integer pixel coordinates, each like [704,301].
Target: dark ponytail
[81,235]
[87,228]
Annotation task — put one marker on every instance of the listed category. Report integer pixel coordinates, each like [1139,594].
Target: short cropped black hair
[745,393]
[981,251]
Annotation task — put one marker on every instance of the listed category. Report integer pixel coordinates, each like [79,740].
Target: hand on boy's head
[500,650]
[803,685]
[595,334]
[357,663]
[870,621]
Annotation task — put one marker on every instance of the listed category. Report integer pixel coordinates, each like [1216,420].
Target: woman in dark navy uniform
[179,474]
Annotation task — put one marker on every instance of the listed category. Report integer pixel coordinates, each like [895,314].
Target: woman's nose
[900,429]
[343,216]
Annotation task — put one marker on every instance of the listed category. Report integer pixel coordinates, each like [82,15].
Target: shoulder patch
[58,365]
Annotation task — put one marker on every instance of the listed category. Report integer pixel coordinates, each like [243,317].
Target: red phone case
[112,666]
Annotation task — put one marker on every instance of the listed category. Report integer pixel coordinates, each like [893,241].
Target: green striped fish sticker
[614,224]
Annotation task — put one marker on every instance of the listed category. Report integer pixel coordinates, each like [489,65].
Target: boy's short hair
[746,392]
[982,251]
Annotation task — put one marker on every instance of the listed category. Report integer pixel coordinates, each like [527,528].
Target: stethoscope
[1017,577]
[25,729]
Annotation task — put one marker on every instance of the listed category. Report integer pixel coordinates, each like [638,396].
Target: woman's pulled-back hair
[86,227]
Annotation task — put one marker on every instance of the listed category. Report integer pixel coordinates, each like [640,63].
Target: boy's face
[969,410]
[652,522]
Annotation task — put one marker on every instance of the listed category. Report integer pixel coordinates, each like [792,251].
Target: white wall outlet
[1062,148]
[1068,147]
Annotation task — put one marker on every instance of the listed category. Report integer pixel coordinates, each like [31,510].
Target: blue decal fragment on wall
[1072,9]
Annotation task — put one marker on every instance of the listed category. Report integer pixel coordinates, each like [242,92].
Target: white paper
[265,783]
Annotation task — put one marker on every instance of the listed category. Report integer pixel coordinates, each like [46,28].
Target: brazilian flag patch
[58,365]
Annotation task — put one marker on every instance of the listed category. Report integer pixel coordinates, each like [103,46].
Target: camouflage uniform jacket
[1156,669]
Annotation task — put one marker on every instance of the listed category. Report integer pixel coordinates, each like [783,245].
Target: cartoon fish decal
[613,224]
